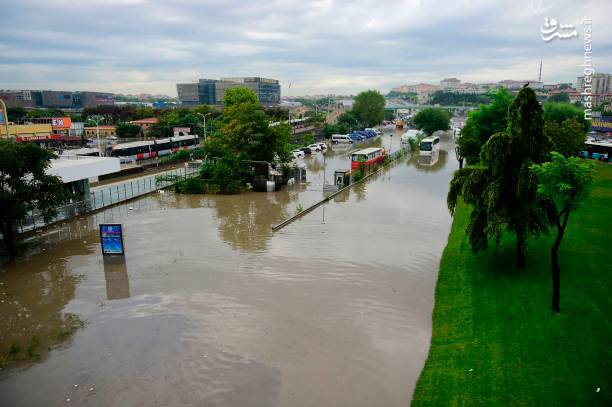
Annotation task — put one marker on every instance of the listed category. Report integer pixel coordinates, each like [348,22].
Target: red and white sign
[61,122]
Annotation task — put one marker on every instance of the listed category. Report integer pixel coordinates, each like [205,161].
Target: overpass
[413,108]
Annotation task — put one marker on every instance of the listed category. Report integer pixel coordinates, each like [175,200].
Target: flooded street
[212,308]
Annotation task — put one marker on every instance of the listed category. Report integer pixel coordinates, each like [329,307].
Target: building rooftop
[74,168]
[148,120]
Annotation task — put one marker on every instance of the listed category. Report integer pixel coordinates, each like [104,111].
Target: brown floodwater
[210,307]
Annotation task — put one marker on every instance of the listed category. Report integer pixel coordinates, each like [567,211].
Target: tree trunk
[9,239]
[521,248]
[556,277]
[554,264]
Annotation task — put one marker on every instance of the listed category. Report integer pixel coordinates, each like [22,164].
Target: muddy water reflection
[116,276]
[211,308]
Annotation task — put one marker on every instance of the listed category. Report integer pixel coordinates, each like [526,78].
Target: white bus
[429,145]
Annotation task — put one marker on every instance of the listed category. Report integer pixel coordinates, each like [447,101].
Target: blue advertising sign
[111,239]
[603,124]
[1,116]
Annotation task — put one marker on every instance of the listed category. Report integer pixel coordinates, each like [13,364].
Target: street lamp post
[97,119]
[204,119]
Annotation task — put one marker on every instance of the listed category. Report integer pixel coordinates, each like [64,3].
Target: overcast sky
[326,46]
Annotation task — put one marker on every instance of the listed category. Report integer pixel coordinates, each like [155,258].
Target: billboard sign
[603,123]
[61,122]
[111,239]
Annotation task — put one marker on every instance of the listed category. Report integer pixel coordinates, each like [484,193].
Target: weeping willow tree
[502,189]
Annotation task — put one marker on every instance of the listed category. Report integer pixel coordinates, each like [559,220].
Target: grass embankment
[495,340]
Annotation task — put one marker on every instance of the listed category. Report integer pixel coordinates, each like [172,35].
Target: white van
[341,138]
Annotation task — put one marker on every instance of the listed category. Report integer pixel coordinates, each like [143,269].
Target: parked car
[306,150]
[315,147]
[297,153]
[376,131]
[341,138]
[323,146]
[356,137]
[370,133]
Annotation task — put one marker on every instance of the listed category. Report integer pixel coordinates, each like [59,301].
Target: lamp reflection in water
[117,281]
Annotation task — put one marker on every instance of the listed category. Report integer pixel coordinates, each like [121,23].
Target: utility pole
[97,119]
[5,113]
[540,77]
[204,119]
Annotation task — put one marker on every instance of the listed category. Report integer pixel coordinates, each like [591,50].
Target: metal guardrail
[391,158]
[103,197]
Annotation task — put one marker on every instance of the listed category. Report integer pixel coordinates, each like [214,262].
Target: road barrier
[390,158]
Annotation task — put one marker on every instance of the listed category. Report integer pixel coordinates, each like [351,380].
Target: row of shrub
[207,186]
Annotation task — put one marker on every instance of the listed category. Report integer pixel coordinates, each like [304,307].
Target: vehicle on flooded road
[429,145]
[367,157]
[341,139]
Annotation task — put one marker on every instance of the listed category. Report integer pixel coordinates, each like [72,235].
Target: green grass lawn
[495,340]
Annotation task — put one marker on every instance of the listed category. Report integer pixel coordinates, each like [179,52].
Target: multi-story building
[601,83]
[450,83]
[207,91]
[18,98]
[211,91]
[267,90]
[188,94]
[55,99]
[92,99]
[105,131]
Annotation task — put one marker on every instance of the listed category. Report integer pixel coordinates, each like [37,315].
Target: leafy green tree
[237,96]
[16,113]
[128,130]
[42,113]
[24,186]
[181,117]
[432,119]
[277,113]
[566,183]
[561,97]
[483,123]
[348,120]
[560,112]
[503,190]
[567,137]
[369,108]
[245,131]
[331,129]
[442,97]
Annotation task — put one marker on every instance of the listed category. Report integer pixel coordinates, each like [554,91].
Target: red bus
[367,157]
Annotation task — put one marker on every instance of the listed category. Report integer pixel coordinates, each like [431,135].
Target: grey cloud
[320,46]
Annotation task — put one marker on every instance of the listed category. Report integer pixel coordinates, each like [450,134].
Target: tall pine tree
[502,189]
